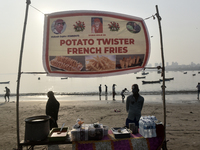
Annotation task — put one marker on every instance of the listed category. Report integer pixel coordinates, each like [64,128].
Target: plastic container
[54,136]
[89,132]
[79,134]
[120,132]
[95,133]
[37,128]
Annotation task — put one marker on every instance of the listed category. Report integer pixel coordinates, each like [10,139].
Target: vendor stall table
[109,142]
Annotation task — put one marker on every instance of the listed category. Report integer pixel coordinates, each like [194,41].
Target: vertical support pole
[28,2]
[163,75]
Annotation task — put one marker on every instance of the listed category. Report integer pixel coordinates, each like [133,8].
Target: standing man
[134,105]
[198,88]
[106,91]
[100,92]
[52,108]
[113,91]
[7,94]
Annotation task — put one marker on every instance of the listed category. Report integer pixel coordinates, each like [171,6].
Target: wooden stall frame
[163,75]
[28,2]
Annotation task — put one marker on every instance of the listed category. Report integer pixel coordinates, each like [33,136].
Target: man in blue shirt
[134,105]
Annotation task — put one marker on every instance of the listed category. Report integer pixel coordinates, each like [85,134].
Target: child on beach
[122,94]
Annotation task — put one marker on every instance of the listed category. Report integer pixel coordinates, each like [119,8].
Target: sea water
[40,84]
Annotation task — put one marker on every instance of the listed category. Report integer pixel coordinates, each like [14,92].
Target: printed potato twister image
[66,63]
[128,62]
[100,63]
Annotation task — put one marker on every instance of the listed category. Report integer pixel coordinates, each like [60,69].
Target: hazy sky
[180,26]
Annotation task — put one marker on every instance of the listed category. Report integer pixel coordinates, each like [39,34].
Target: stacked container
[147,126]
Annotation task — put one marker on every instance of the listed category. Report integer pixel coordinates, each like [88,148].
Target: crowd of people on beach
[113,92]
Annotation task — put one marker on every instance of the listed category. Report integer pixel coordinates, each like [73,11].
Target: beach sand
[182,128]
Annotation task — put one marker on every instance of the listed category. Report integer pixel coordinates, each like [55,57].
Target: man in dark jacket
[52,108]
[134,105]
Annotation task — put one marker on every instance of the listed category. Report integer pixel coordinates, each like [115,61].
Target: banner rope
[153,16]
[37,9]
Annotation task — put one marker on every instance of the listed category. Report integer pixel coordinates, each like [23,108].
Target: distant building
[174,64]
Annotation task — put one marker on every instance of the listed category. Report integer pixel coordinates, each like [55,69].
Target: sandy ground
[182,128]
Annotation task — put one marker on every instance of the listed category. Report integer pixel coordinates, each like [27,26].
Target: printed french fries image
[128,62]
[99,64]
[66,63]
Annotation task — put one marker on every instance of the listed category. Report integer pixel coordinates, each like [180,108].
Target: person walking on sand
[7,94]
[52,108]
[122,94]
[106,91]
[134,105]
[100,91]
[198,90]
[113,91]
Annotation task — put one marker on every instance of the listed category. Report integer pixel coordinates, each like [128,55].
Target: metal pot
[37,128]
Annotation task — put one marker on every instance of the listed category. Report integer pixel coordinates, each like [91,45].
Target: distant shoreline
[118,93]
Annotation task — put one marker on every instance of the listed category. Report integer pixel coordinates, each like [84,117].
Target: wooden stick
[28,2]
[163,74]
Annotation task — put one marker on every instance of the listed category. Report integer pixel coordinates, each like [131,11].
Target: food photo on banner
[94,43]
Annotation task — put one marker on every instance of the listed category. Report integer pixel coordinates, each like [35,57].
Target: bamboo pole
[28,2]
[163,75]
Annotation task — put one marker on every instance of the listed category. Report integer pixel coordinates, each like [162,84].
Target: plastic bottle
[144,117]
[153,118]
[140,125]
[154,129]
[145,129]
[148,117]
[141,128]
[149,128]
